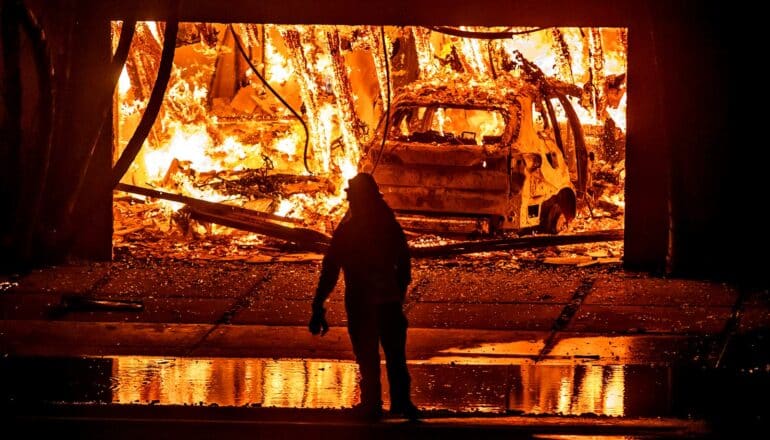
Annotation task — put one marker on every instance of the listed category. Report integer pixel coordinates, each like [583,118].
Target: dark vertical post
[647,150]
[11,131]
[94,237]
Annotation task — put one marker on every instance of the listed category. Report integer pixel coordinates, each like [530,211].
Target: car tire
[554,221]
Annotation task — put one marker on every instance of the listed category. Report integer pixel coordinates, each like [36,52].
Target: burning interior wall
[223,135]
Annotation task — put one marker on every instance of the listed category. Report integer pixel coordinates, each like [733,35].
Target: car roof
[461,91]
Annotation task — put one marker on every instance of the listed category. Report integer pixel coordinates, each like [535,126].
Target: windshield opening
[448,124]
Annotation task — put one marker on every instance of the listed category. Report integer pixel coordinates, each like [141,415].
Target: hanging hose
[482,35]
[121,53]
[276,94]
[153,105]
[387,98]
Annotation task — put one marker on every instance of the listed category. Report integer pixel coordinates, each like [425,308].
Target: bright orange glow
[124,83]
[619,114]
[235,382]
[220,124]
[567,389]
[571,390]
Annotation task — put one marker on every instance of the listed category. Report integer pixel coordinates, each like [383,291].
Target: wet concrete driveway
[514,352]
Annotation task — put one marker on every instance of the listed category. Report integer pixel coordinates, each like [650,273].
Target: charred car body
[482,157]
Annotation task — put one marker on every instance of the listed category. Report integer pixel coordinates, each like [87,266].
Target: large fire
[222,135]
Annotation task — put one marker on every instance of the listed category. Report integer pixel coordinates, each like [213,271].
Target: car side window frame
[554,123]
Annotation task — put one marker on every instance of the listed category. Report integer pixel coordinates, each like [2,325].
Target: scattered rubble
[143,229]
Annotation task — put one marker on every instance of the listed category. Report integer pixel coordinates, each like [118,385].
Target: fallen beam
[242,218]
[536,241]
[192,202]
[306,239]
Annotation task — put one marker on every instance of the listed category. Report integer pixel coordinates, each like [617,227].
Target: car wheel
[555,220]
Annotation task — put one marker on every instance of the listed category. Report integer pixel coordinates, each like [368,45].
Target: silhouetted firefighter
[370,247]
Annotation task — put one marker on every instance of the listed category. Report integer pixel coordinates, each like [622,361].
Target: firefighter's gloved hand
[318,322]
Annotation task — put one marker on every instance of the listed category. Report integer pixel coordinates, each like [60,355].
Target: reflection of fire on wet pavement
[557,388]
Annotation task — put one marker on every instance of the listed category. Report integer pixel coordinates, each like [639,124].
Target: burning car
[502,155]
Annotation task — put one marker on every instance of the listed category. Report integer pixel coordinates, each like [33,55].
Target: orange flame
[218,117]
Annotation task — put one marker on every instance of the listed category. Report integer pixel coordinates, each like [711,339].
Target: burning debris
[274,120]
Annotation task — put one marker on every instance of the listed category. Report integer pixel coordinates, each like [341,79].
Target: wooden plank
[306,239]
[241,218]
[219,207]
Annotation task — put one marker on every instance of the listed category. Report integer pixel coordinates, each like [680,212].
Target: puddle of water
[613,390]
[286,383]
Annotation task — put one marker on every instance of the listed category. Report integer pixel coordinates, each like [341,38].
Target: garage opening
[493,134]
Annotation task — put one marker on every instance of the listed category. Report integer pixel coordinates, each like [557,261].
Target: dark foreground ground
[497,349]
